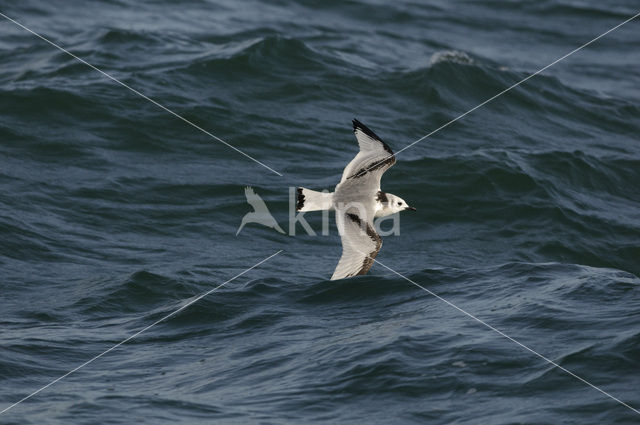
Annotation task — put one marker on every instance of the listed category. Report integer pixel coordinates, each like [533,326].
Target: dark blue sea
[114,213]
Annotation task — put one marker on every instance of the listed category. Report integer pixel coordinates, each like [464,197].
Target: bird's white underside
[357,195]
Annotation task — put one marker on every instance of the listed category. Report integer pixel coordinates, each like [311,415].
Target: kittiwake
[357,200]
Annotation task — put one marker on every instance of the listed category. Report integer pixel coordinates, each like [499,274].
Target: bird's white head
[391,204]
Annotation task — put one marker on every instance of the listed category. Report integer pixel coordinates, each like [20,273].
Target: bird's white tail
[311,200]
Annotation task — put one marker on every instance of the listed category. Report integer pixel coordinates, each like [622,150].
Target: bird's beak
[411,208]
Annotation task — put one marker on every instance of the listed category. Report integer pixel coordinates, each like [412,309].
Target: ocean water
[114,213]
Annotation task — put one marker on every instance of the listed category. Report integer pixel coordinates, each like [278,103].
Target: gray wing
[375,156]
[360,245]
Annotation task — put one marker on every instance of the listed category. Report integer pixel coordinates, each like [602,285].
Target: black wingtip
[357,125]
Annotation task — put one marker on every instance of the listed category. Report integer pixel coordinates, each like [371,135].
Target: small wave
[261,56]
[12,368]
[22,240]
[584,10]
[119,36]
[142,291]
[359,288]
[577,169]
[453,56]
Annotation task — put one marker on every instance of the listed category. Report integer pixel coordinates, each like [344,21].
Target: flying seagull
[260,213]
[357,200]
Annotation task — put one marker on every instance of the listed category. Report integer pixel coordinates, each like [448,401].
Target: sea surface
[114,213]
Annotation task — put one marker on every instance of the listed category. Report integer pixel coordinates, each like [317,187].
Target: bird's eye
[399,203]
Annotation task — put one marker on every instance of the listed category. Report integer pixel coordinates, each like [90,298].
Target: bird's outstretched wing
[375,156]
[360,245]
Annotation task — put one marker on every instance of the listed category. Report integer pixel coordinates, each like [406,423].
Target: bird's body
[357,200]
